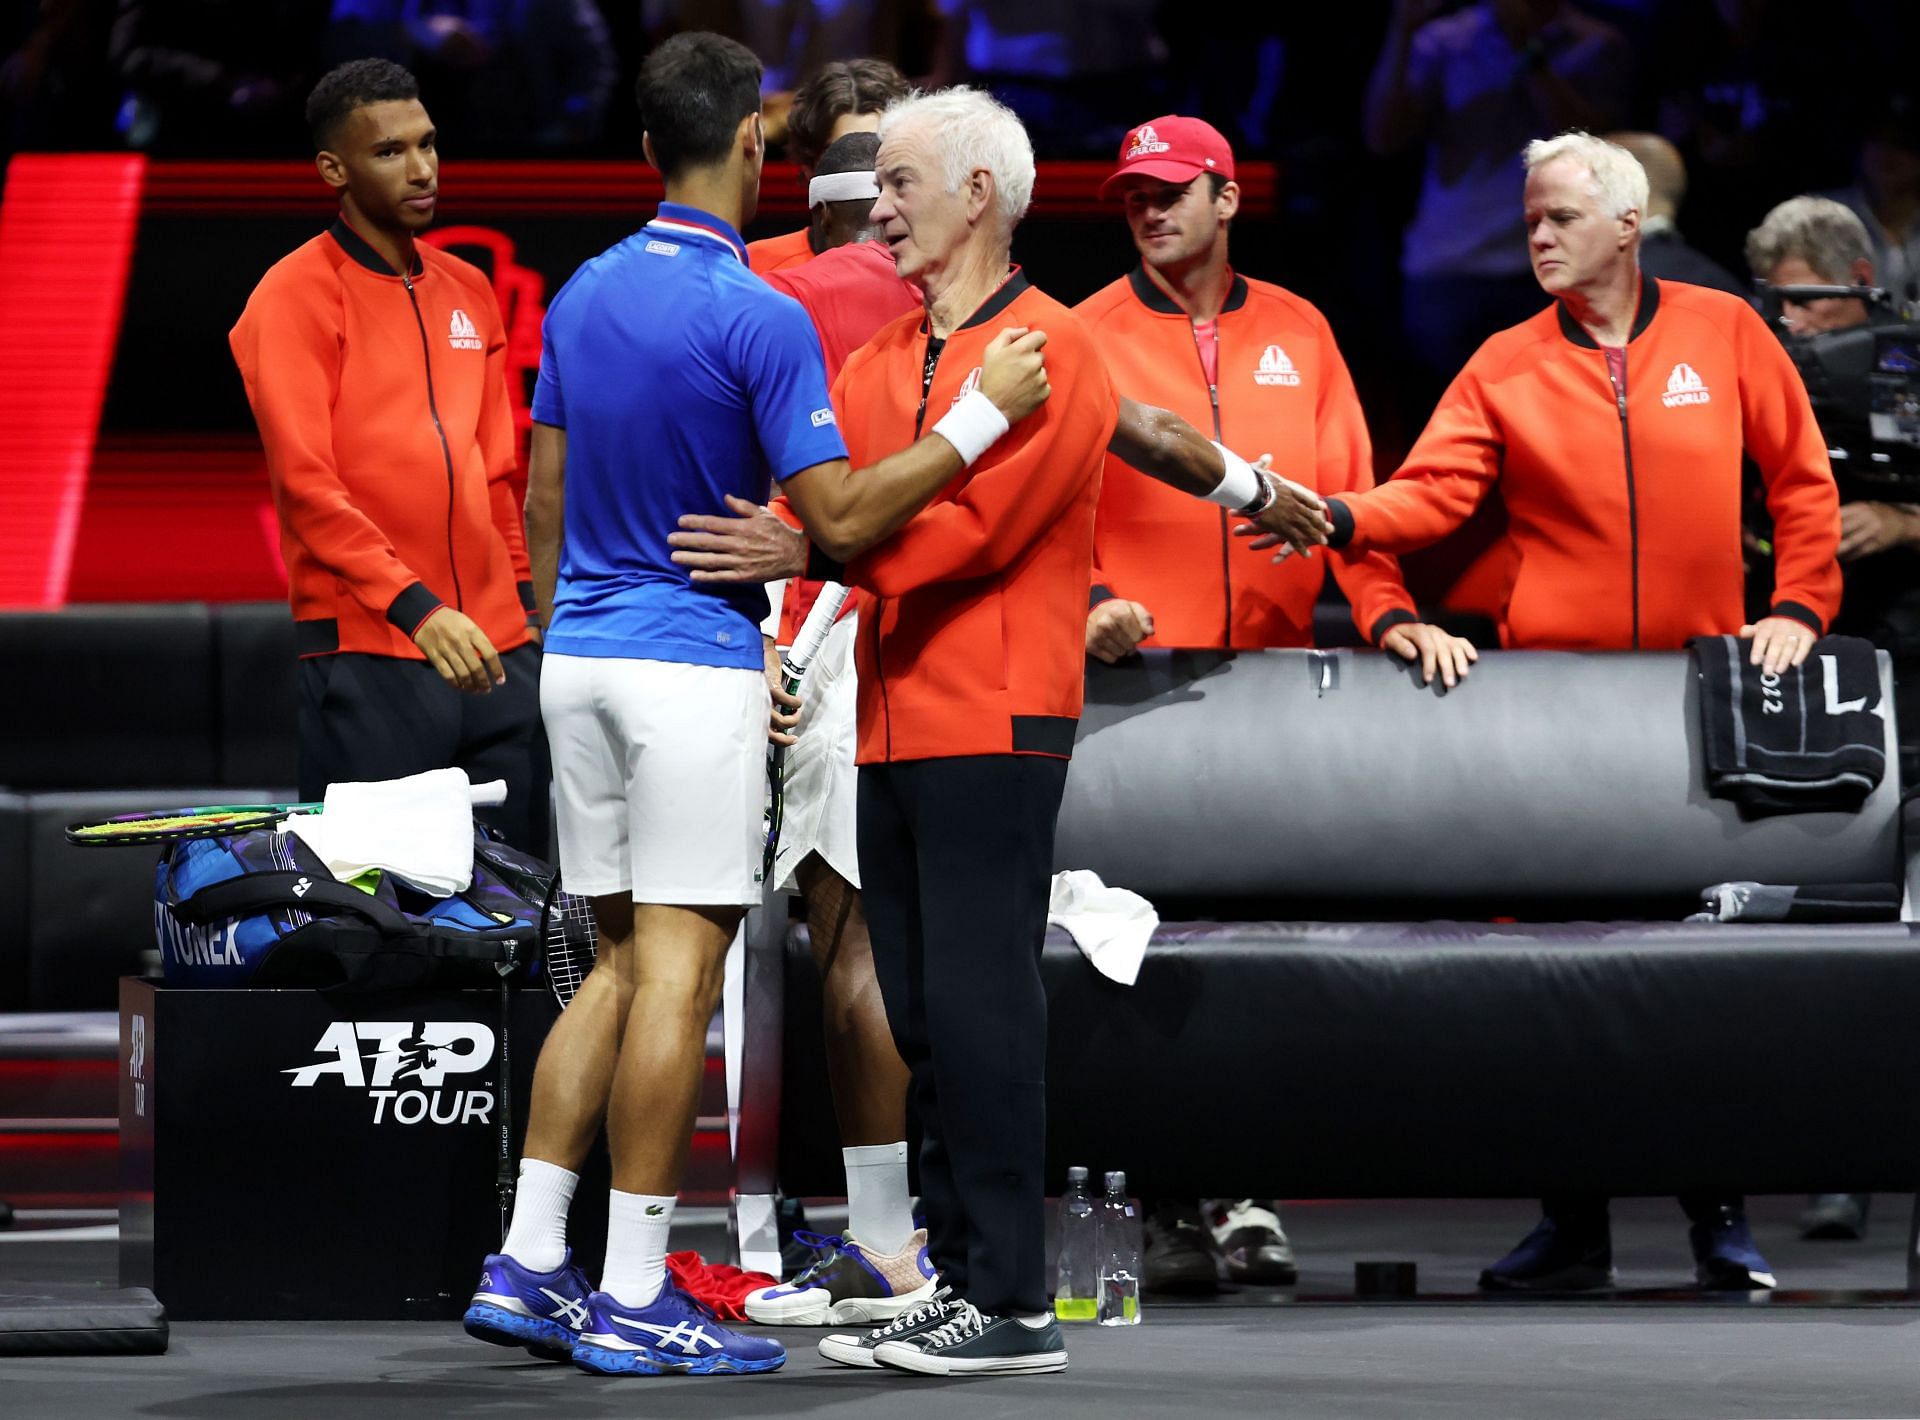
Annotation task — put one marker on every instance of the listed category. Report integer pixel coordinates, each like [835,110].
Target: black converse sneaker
[969,1342]
[857,1348]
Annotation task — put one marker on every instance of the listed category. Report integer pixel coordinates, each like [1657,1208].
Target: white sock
[637,1227]
[879,1210]
[537,1237]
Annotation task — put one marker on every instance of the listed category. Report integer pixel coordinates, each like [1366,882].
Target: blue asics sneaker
[671,1334]
[515,1306]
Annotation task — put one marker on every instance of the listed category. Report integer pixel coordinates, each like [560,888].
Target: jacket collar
[357,247]
[1010,291]
[1158,301]
[681,220]
[1642,318]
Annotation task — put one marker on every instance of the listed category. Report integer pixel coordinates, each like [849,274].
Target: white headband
[842,187]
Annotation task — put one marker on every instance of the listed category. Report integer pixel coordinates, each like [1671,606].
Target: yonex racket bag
[260,909]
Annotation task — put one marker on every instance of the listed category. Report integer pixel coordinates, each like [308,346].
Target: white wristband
[777,599]
[1239,486]
[972,425]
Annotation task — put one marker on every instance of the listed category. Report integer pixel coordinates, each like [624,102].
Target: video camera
[1864,385]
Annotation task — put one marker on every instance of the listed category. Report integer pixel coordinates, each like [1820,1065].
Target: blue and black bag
[261,909]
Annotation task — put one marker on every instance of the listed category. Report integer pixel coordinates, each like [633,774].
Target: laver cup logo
[412,1073]
[461,334]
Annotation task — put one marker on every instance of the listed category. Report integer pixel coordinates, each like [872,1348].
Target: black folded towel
[1811,739]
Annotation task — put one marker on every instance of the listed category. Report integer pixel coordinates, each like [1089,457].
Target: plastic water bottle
[1119,1238]
[1076,1292]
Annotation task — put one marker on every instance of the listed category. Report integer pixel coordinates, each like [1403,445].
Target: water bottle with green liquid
[1076,1293]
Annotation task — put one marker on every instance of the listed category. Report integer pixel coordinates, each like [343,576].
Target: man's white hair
[972,130]
[1618,179]
[1825,234]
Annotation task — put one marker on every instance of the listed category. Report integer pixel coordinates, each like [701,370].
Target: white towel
[419,828]
[1110,925]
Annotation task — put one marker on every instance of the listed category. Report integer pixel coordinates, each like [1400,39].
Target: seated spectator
[215,77]
[1642,553]
[506,75]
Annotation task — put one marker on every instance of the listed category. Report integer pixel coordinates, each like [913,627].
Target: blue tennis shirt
[679,377]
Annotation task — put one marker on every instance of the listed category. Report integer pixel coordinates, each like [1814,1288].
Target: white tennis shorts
[660,774]
[820,776]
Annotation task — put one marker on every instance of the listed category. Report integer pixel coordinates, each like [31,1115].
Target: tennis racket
[793,671]
[572,943]
[207,820]
[171,825]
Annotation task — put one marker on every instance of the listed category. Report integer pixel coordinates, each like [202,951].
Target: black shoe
[1835,1217]
[856,1348]
[1247,1232]
[1725,1256]
[1553,1258]
[1179,1252]
[971,1342]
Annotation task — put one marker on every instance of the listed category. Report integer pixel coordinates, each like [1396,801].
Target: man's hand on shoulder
[1115,628]
[1013,373]
[460,651]
[754,545]
[1434,649]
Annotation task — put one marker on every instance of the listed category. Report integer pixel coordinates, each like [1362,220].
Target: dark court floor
[1832,1344]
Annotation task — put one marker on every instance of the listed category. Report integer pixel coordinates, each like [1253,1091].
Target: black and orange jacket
[975,639]
[382,403]
[1284,390]
[1624,506]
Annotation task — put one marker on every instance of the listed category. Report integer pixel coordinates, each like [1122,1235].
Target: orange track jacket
[1284,390]
[1624,510]
[382,402]
[975,641]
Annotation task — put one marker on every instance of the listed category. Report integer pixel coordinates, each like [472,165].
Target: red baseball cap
[1172,149]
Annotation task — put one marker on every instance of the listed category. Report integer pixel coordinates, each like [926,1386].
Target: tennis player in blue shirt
[671,378]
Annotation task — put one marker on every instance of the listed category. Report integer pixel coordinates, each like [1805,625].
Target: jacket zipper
[433,408]
[1633,505]
[927,367]
[1226,536]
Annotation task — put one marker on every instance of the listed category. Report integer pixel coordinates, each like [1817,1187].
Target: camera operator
[1815,241]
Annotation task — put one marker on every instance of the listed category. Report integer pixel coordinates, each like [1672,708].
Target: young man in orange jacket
[1615,423]
[377,371]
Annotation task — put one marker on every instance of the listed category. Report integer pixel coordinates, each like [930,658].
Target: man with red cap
[1258,367]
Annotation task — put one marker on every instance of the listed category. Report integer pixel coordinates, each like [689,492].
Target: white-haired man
[1623,496]
[970,687]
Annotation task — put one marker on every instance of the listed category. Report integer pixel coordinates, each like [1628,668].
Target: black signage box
[312,1155]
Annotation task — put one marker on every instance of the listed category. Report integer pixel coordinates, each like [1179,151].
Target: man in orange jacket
[377,371]
[1257,365]
[1615,423]
[1623,495]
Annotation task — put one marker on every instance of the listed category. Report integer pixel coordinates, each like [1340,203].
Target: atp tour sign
[413,1072]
